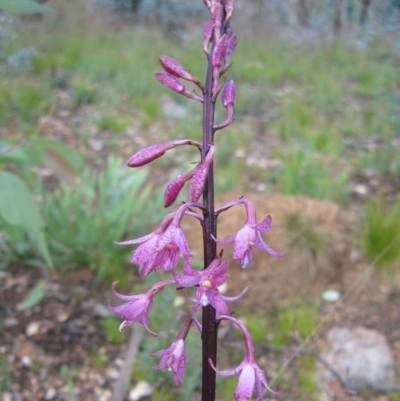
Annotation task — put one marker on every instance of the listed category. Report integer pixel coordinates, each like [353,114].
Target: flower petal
[226,373]
[146,252]
[217,301]
[223,242]
[245,386]
[185,280]
[242,240]
[265,225]
[260,244]
[231,299]
[137,240]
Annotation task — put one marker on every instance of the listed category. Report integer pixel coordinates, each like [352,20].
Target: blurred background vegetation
[317,111]
[317,114]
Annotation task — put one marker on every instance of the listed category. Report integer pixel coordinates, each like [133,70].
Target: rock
[50,394]
[361,357]
[32,329]
[26,361]
[330,295]
[142,389]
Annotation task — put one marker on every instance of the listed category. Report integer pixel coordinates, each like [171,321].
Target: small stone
[62,316]
[50,394]
[142,389]
[32,329]
[112,374]
[26,361]
[360,189]
[330,295]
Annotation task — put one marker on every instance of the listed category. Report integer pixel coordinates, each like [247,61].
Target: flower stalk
[166,247]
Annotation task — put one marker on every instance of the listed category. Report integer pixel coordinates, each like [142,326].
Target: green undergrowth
[84,220]
[381,233]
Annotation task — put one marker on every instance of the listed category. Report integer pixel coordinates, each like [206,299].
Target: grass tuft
[381,230]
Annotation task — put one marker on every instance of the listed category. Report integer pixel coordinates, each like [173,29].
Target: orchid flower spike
[249,235]
[137,307]
[251,377]
[208,281]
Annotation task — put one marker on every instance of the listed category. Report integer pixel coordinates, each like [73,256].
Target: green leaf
[36,294]
[11,154]
[18,208]
[65,162]
[23,7]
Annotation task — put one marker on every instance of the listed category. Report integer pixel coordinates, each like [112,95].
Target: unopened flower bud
[171,82]
[207,35]
[174,188]
[230,47]
[217,14]
[228,94]
[200,175]
[153,152]
[219,52]
[228,6]
[149,154]
[173,67]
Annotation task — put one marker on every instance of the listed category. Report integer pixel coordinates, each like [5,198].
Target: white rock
[32,329]
[112,373]
[26,361]
[142,389]
[50,394]
[361,357]
[330,295]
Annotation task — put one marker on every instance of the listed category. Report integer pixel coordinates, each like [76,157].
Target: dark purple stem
[210,326]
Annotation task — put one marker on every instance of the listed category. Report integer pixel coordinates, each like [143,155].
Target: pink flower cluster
[165,247]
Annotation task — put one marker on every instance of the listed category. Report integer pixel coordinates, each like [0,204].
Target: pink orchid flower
[137,307]
[251,376]
[208,281]
[249,235]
